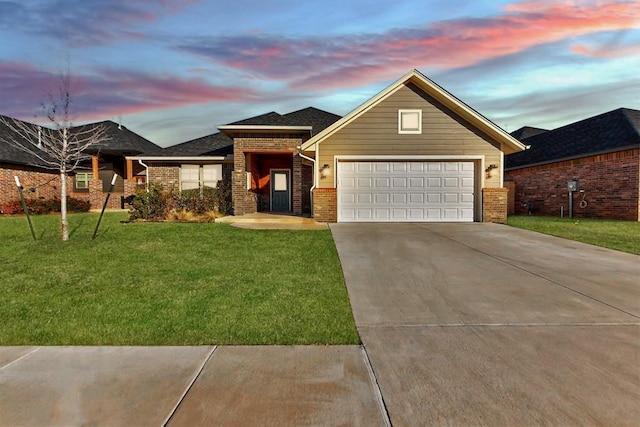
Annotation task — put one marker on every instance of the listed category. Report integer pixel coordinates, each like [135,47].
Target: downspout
[314,178]
[146,183]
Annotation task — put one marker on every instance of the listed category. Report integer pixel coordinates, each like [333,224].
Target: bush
[154,204]
[188,205]
[44,206]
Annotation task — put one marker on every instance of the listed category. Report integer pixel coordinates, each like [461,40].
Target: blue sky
[172,70]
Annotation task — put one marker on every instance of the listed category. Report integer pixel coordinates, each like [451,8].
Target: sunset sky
[173,70]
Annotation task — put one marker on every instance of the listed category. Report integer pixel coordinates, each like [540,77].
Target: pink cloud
[322,63]
[606,52]
[108,93]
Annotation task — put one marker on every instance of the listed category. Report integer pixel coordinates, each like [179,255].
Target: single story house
[90,181]
[413,153]
[600,154]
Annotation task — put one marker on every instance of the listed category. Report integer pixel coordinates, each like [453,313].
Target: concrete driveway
[484,324]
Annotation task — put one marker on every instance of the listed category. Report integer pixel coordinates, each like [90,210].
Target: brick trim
[494,204]
[325,204]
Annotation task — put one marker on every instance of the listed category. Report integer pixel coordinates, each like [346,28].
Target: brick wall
[97,197]
[494,205]
[167,175]
[38,184]
[325,205]
[610,182]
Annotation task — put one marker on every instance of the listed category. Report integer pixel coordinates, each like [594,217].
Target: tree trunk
[63,206]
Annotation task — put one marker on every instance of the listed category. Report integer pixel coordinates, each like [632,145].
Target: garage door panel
[406,191]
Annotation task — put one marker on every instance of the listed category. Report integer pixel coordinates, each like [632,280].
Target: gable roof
[608,132]
[508,143]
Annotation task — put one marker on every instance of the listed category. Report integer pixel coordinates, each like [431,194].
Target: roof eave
[177,158]
[231,129]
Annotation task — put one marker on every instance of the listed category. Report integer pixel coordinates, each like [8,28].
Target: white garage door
[399,191]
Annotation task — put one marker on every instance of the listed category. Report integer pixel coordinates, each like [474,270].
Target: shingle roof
[526,132]
[615,130]
[122,140]
[9,153]
[314,117]
[217,144]
[310,116]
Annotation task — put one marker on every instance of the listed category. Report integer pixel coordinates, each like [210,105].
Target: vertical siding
[376,133]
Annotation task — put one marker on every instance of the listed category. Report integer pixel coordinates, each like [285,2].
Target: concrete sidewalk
[188,386]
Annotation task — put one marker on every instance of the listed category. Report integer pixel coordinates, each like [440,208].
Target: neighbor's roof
[608,132]
[508,143]
[121,140]
[12,155]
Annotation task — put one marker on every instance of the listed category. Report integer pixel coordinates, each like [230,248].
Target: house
[413,152]
[37,180]
[90,181]
[600,154]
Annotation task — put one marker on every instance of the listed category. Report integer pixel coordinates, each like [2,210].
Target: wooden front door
[280,190]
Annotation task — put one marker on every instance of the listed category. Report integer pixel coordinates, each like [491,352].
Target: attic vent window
[410,121]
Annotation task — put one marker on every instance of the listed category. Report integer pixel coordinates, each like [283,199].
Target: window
[410,121]
[199,176]
[82,180]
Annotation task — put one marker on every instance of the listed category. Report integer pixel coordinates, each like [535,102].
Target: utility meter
[573,185]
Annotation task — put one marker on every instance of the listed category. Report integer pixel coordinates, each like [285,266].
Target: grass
[169,284]
[620,235]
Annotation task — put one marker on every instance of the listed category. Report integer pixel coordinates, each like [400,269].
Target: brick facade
[611,184]
[494,205]
[37,184]
[325,205]
[247,149]
[167,175]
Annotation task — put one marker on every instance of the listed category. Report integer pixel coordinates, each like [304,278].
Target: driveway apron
[484,324]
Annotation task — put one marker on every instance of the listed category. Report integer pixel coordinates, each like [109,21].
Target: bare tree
[58,146]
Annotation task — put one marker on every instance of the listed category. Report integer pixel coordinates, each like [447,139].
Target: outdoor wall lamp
[324,171]
[491,167]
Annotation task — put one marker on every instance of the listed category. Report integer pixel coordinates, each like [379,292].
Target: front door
[280,190]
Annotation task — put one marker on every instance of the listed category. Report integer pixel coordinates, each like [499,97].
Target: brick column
[95,194]
[296,183]
[494,205]
[325,205]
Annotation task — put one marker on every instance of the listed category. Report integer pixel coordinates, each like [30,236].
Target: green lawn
[620,235]
[169,284]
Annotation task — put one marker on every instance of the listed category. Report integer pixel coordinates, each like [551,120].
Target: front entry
[280,190]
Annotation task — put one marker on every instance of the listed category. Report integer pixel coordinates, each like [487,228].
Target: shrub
[154,204]
[44,206]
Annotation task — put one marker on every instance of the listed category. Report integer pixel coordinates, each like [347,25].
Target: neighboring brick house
[88,182]
[601,153]
[411,153]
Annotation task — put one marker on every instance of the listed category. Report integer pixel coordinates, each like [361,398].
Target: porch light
[324,171]
[490,168]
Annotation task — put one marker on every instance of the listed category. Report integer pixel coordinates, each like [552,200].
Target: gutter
[146,184]
[314,178]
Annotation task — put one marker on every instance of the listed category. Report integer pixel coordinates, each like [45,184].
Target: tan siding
[376,133]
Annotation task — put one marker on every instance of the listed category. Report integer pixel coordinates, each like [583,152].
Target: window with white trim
[410,121]
[199,176]
[82,180]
